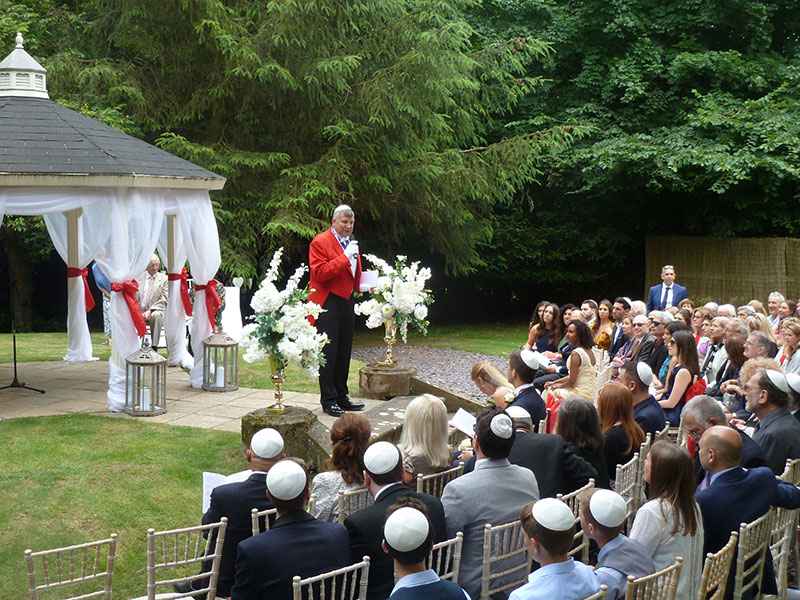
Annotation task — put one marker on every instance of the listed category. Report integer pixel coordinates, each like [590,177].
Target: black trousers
[337,321]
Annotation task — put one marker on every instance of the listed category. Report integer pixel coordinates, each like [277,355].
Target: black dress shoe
[348,404]
[333,410]
[182,588]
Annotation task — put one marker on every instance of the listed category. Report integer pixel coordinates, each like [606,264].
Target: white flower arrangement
[281,329]
[400,295]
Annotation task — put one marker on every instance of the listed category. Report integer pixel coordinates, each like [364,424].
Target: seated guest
[624,354]
[582,378]
[565,312]
[296,544]
[579,426]
[702,413]
[704,345]
[789,357]
[544,335]
[697,325]
[349,439]
[777,432]
[603,515]
[745,311]
[684,316]
[773,305]
[548,526]
[658,324]
[408,539]
[647,412]
[686,304]
[492,493]
[558,469]
[758,307]
[522,366]
[638,308]
[664,372]
[383,475]
[759,345]
[683,375]
[152,298]
[603,326]
[787,309]
[423,440]
[729,372]
[715,354]
[670,524]
[492,382]
[622,434]
[736,496]
[643,340]
[619,311]
[793,381]
[589,311]
[735,401]
[235,501]
[727,310]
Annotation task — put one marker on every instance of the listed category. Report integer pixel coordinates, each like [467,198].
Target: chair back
[661,585]
[256,517]
[506,563]
[791,473]
[80,566]
[663,435]
[784,529]
[627,484]
[353,501]
[184,550]
[716,569]
[601,595]
[603,377]
[750,553]
[580,543]
[445,557]
[644,448]
[542,427]
[347,583]
[434,483]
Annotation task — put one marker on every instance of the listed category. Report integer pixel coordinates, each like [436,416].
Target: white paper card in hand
[464,422]
[369,280]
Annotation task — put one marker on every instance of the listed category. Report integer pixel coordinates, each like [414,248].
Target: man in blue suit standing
[735,495]
[666,294]
[296,544]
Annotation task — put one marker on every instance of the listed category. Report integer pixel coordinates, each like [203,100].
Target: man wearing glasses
[702,413]
[666,294]
[643,341]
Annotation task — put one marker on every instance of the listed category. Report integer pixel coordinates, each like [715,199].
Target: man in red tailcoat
[335,267]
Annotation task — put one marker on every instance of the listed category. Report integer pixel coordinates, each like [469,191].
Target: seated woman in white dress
[670,524]
[350,435]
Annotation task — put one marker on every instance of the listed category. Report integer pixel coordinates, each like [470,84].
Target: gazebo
[112,198]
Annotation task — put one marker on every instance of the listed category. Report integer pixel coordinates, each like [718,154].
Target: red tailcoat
[330,269]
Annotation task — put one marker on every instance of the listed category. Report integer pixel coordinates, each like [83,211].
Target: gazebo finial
[19,40]
[21,75]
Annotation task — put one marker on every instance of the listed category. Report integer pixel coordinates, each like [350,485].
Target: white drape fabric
[175,315]
[232,315]
[201,241]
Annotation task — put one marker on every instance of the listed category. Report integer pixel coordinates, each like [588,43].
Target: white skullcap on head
[628,300]
[778,379]
[793,379]
[502,426]
[286,480]
[608,508]
[553,514]
[381,457]
[266,443]
[517,412]
[644,372]
[406,529]
[341,208]
[529,358]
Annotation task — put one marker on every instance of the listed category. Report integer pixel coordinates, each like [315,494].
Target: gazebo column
[80,344]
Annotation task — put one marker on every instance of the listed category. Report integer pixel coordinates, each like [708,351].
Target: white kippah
[502,426]
[628,300]
[553,514]
[517,412]
[793,379]
[381,457]
[608,508]
[406,529]
[341,208]
[778,379]
[644,372]
[285,480]
[529,358]
[266,443]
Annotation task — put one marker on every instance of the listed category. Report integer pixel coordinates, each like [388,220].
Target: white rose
[420,312]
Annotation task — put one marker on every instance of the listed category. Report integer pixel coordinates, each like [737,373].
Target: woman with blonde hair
[621,432]
[758,307]
[350,435]
[670,524]
[492,382]
[423,441]
[759,322]
[789,357]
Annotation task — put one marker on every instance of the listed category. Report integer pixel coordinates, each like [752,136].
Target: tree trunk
[20,281]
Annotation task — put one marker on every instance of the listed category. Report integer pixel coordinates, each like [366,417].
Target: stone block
[294,427]
[384,383]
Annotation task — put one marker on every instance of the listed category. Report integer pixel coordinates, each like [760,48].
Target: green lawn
[73,479]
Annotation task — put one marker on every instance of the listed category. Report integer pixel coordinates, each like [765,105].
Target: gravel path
[444,367]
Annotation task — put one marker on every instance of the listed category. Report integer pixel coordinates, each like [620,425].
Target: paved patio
[81,388]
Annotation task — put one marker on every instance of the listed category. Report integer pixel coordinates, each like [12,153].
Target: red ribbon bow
[212,299]
[183,277]
[129,289]
[87,294]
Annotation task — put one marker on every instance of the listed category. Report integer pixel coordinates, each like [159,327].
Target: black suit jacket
[619,342]
[235,501]
[657,356]
[296,544]
[558,470]
[645,348]
[365,530]
[530,400]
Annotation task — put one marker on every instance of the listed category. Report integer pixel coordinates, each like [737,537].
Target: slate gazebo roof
[45,144]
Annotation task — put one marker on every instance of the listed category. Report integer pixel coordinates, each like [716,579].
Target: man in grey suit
[494,492]
[152,297]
